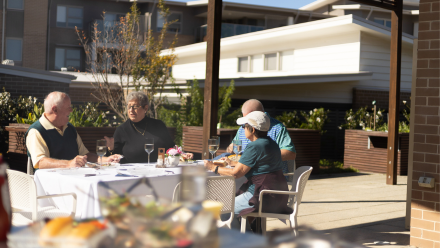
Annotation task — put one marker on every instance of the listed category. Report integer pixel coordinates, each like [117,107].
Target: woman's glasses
[134,107]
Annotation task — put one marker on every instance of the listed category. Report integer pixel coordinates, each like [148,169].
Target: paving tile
[356,207]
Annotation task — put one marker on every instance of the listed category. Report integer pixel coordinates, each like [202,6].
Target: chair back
[219,189]
[22,190]
[299,181]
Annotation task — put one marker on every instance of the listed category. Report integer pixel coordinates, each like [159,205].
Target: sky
[294,4]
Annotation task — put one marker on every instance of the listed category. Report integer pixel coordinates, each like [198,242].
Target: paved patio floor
[356,207]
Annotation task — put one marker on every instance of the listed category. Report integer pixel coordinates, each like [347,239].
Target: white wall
[375,57]
[349,52]
[339,53]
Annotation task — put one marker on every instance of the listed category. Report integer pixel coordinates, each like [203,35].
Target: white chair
[299,181]
[24,198]
[219,189]
[30,167]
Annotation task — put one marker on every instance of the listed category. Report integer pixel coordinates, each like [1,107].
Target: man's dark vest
[60,147]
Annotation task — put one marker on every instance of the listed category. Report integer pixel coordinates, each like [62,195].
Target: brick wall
[35,34]
[365,97]
[26,86]
[425,202]
[82,94]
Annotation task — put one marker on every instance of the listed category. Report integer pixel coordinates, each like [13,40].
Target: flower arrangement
[174,151]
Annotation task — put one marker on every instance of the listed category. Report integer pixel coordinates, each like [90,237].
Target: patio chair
[24,202]
[219,189]
[299,181]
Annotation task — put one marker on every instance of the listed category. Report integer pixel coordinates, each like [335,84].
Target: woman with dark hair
[129,137]
[261,164]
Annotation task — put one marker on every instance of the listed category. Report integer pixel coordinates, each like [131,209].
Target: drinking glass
[101,148]
[149,147]
[237,148]
[212,146]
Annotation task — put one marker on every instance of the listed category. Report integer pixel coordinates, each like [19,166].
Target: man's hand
[78,161]
[110,142]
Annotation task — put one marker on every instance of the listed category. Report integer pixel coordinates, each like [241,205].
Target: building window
[244,64]
[15,4]
[69,17]
[175,17]
[14,49]
[69,58]
[271,61]
[384,22]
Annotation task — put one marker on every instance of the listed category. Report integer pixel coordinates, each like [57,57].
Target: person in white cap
[261,164]
[277,131]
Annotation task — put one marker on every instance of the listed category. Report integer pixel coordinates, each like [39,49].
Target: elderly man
[277,132]
[53,142]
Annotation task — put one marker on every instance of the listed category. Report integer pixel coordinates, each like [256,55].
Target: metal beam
[384,4]
[394,96]
[210,109]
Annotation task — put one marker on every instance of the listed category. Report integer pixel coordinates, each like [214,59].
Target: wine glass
[237,148]
[212,146]
[149,147]
[101,148]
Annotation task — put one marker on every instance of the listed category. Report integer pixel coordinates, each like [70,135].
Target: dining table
[84,183]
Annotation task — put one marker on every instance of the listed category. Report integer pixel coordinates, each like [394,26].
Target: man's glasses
[134,107]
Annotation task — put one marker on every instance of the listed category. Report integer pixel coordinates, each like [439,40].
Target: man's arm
[49,163]
[287,155]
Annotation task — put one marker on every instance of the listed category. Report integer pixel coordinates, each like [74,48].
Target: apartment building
[41,34]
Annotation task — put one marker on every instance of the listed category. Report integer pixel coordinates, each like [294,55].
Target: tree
[119,48]
[155,67]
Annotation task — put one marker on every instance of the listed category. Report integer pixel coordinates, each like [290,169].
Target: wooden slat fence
[374,159]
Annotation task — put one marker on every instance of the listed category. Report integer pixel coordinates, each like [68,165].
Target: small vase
[173,161]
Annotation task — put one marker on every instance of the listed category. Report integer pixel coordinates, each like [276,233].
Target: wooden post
[210,108]
[394,97]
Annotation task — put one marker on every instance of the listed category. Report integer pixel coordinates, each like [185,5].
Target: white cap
[257,119]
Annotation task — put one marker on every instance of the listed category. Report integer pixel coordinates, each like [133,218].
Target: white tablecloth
[52,181]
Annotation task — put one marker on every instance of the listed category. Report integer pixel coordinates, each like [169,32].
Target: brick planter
[89,135]
[367,151]
[307,143]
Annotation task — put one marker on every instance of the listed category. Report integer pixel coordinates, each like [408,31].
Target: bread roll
[220,163]
[56,227]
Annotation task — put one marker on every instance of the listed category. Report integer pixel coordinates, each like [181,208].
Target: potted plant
[173,155]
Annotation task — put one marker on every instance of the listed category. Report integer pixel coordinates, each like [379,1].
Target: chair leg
[263,226]
[289,224]
[243,224]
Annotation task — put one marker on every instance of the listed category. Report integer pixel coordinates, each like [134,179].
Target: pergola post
[210,107]
[394,95]
[396,8]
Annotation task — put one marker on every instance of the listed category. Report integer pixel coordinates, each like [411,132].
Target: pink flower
[176,151]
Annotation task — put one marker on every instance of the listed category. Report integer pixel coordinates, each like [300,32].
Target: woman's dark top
[130,142]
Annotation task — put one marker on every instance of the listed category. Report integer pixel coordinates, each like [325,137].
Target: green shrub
[328,167]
